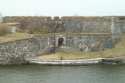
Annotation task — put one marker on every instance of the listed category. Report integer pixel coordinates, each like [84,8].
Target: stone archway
[60,41]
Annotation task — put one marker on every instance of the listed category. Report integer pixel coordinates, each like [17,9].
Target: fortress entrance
[60,42]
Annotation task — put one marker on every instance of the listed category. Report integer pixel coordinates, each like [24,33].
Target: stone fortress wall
[15,51]
[33,46]
[70,23]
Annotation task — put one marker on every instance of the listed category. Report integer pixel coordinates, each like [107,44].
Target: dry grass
[14,36]
[4,29]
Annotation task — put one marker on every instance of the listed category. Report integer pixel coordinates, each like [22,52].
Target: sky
[62,7]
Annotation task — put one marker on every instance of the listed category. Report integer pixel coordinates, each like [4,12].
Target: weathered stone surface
[68,24]
[17,51]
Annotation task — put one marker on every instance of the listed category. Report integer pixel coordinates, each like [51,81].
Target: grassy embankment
[6,35]
[14,36]
[118,51]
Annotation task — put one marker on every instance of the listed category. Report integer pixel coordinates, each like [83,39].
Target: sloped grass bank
[14,36]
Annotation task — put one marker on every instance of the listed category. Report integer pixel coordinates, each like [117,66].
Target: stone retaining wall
[70,23]
[18,50]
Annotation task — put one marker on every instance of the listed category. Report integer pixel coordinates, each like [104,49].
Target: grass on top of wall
[14,36]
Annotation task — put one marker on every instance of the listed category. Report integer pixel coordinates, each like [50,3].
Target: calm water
[62,74]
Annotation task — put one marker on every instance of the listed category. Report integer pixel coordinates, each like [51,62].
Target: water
[62,74]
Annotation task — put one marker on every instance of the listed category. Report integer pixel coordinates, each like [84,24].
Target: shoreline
[109,61]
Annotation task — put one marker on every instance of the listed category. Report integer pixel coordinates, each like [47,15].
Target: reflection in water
[62,74]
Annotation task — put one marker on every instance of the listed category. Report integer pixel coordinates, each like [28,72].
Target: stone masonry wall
[70,24]
[91,43]
[33,46]
[87,24]
[21,49]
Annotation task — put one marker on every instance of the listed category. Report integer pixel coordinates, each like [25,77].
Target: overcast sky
[62,7]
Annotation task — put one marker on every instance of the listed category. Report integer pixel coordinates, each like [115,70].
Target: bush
[4,29]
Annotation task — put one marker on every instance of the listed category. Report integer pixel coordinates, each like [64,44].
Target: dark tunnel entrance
[60,42]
